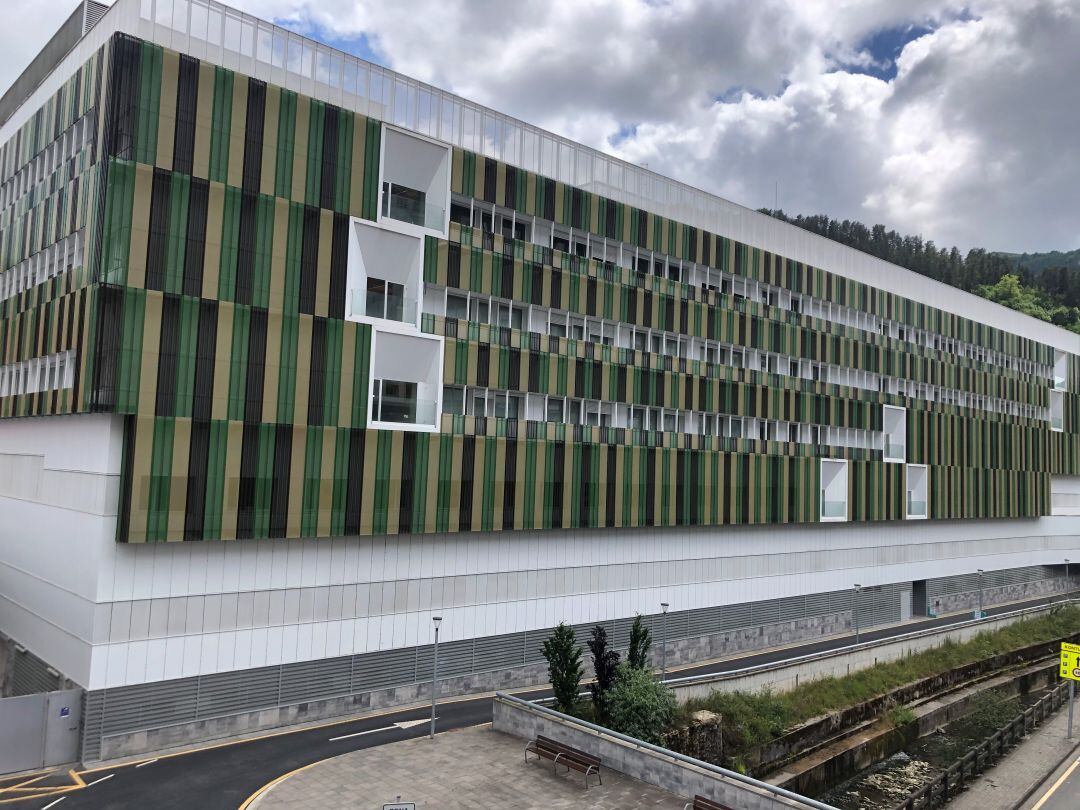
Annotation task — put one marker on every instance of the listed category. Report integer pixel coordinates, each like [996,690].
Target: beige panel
[237,130]
[270,133]
[272,375]
[296,480]
[170,69]
[222,360]
[140,226]
[178,486]
[215,206]
[322,264]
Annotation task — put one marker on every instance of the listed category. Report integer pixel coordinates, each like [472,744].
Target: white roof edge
[242,42]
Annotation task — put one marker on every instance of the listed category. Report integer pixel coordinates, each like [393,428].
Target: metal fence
[954,779]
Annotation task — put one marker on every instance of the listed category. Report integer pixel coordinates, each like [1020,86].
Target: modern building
[297,353]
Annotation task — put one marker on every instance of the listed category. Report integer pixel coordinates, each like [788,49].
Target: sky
[959,121]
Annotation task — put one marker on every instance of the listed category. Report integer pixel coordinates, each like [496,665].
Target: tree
[639,706]
[640,641]
[605,663]
[564,666]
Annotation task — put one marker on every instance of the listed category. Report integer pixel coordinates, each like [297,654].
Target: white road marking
[102,779]
[361,733]
[148,762]
[53,804]
[411,723]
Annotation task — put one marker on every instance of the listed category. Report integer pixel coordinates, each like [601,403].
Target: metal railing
[953,779]
[387,307]
[666,753]
[403,410]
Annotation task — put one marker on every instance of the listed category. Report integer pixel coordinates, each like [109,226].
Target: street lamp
[435,620]
[980,593]
[855,611]
[1068,581]
[663,650]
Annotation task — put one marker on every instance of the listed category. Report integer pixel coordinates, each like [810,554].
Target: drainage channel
[888,782]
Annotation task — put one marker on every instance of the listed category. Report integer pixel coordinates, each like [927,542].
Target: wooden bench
[570,758]
[702,803]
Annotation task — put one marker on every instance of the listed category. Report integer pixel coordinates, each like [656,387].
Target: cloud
[956,120]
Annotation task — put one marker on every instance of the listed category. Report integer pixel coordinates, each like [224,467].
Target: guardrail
[953,779]
[732,674]
[755,785]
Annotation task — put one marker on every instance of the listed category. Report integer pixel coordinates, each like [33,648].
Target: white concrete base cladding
[59,492]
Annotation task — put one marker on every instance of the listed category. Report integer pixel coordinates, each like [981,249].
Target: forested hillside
[1031,283]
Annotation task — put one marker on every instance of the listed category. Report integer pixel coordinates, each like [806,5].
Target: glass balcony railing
[915,508]
[1059,383]
[833,509]
[1057,423]
[894,449]
[377,305]
[409,205]
[403,410]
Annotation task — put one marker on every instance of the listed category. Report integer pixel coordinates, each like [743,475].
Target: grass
[753,719]
[900,716]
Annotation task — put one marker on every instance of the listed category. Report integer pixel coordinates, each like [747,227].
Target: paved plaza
[473,768]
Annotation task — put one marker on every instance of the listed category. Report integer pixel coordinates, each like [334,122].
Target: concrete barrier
[786,675]
[648,763]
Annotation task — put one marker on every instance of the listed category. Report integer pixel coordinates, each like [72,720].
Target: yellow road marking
[1056,785]
[280,779]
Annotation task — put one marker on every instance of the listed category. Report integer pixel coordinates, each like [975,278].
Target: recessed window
[834,490]
[918,476]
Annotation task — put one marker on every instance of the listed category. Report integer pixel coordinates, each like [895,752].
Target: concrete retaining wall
[788,675]
[638,761]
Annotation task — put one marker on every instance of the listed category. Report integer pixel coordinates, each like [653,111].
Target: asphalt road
[223,776]
[1060,791]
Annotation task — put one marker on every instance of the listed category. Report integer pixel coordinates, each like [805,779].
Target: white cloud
[972,142]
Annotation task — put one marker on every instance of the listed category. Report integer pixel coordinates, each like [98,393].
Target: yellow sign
[1070,661]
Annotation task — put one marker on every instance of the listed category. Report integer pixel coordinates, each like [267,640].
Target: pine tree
[564,666]
[605,662]
[640,641]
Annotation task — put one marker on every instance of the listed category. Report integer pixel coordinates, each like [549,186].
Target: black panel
[187,102]
[253,134]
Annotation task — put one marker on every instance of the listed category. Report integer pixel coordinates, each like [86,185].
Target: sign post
[1070,670]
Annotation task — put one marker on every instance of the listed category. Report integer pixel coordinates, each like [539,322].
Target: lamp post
[855,611]
[980,594]
[663,650]
[435,620]
[1068,581]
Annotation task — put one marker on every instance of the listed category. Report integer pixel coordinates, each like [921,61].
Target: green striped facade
[209,311]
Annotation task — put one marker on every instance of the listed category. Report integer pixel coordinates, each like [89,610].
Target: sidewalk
[1026,766]
[472,769]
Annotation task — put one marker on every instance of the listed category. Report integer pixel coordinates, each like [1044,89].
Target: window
[457,306]
[385,299]
[453,400]
[459,213]
[554,409]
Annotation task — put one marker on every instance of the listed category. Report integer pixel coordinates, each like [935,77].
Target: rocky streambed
[885,784]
